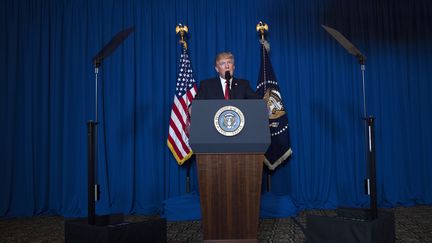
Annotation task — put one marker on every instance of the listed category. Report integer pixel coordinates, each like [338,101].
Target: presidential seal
[229,121]
[274,103]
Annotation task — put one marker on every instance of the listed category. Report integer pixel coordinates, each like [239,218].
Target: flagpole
[262,28]
[182,31]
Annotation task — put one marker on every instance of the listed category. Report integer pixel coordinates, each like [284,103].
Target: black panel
[351,226]
[79,231]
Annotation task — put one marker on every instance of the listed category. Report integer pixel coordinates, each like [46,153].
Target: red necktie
[226,96]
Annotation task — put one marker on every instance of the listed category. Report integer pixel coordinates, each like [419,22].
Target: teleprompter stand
[108,228]
[355,224]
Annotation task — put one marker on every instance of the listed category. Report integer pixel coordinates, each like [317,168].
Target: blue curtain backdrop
[47,96]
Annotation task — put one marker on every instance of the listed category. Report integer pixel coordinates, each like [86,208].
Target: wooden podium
[230,169]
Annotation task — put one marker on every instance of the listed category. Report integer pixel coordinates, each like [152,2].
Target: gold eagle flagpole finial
[183,30]
[262,28]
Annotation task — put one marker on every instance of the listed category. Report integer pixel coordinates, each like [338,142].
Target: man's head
[224,62]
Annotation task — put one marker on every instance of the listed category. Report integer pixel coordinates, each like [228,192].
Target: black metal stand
[92,138]
[92,148]
[371,181]
[352,224]
[108,228]
[91,159]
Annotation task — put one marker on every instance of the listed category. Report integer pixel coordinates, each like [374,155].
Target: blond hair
[224,55]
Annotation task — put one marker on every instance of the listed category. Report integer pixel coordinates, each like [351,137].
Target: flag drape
[268,89]
[178,135]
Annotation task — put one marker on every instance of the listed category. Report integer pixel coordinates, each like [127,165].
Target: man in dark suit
[225,86]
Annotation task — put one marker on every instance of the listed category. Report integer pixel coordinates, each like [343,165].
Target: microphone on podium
[227,76]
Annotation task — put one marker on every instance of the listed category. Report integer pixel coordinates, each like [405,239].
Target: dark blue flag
[268,89]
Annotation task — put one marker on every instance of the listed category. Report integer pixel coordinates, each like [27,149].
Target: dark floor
[413,224]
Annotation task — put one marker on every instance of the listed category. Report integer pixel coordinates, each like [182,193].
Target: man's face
[223,65]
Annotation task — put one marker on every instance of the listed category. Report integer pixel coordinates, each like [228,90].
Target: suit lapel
[234,86]
[218,88]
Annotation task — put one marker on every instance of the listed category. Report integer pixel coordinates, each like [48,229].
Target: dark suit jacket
[211,89]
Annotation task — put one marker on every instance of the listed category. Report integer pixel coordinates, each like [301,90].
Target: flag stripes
[178,132]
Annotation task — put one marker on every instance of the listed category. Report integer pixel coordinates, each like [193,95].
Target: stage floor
[413,225]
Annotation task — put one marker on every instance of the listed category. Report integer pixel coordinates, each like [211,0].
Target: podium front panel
[230,190]
[253,138]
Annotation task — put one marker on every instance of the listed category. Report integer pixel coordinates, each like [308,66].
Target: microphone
[227,75]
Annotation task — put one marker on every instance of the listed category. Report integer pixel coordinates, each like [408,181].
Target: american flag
[268,89]
[178,136]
